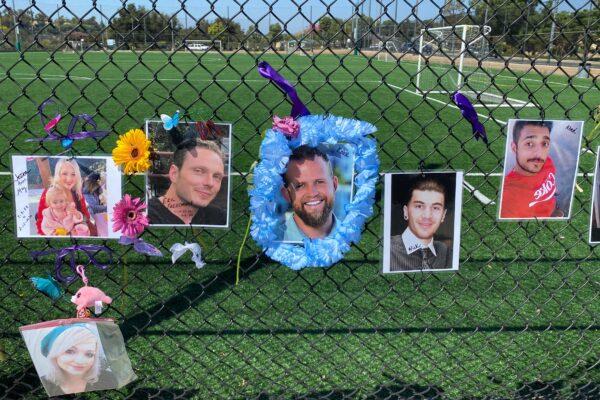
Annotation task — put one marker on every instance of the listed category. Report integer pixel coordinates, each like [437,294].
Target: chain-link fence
[518,320]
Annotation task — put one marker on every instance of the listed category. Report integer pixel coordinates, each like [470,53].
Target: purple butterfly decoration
[469,113]
[140,246]
[67,140]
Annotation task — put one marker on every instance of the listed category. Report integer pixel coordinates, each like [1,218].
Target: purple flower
[286,125]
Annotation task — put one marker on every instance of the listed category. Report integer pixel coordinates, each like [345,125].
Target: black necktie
[428,258]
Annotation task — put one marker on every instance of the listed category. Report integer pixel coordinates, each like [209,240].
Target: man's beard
[315,221]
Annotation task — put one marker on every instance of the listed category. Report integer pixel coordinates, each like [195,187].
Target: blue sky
[258,10]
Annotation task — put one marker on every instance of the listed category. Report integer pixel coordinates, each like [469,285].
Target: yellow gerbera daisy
[133,150]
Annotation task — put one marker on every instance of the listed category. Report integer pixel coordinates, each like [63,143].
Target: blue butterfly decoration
[47,286]
[170,122]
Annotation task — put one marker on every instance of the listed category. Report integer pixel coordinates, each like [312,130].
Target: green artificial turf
[520,315]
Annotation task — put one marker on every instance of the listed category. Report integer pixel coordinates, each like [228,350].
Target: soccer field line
[444,102]
[211,59]
[482,198]
[19,75]
[514,78]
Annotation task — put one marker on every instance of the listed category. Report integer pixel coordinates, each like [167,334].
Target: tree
[274,32]
[506,20]
[453,12]
[389,29]
[200,31]
[226,31]
[254,38]
[216,30]
[138,25]
[330,30]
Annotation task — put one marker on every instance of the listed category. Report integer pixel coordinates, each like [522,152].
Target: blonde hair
[53,191]
[66,340]
[57,169]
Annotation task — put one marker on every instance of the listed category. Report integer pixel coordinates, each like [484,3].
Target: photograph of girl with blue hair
[69,359]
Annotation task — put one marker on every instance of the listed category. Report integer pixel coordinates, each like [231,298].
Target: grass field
[520,315]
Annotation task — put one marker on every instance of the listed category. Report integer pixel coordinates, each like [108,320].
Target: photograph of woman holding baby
[65,196]
[62,210]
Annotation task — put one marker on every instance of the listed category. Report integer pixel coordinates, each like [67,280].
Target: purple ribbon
[140,246]
[89,249]
[48,125]
[469,113]
[67,140]
[298,108]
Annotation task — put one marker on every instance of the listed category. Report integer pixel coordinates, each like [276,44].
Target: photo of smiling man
[422,221]
[317,186]
[540,167]
[188,184]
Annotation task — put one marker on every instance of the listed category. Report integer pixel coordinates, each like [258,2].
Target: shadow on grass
[26,384]
[23,385]
[144,393]
[187,298]
[395,390]
[353,330]
[29,385]
[399,390]
[539,390]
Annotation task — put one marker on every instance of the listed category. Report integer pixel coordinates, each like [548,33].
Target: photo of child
[62,218]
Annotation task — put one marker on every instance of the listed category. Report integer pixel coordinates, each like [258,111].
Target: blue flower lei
[275,151]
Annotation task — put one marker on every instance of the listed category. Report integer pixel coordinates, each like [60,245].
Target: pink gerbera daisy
[128,217]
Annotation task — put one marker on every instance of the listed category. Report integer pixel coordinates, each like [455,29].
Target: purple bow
[89,249]
[298,108]
[67,140]
[140,246]
[468,111]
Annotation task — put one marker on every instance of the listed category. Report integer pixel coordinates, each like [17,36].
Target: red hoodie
[530,196]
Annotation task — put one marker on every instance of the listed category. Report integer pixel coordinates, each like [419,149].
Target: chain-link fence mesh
[518,320]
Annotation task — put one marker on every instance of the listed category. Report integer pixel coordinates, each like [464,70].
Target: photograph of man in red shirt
[530,188]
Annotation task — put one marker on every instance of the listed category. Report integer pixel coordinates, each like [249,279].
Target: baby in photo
[62,218]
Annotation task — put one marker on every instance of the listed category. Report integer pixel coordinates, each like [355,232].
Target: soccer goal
[74,46]
[388,51]
[451,58]
[200,45]
[299,47]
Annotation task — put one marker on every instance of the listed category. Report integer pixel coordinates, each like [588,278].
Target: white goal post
[202,45]
[73,46]
[300,47]
[451,58]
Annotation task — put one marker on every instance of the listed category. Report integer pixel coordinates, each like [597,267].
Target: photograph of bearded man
[540,167]
[314,192]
